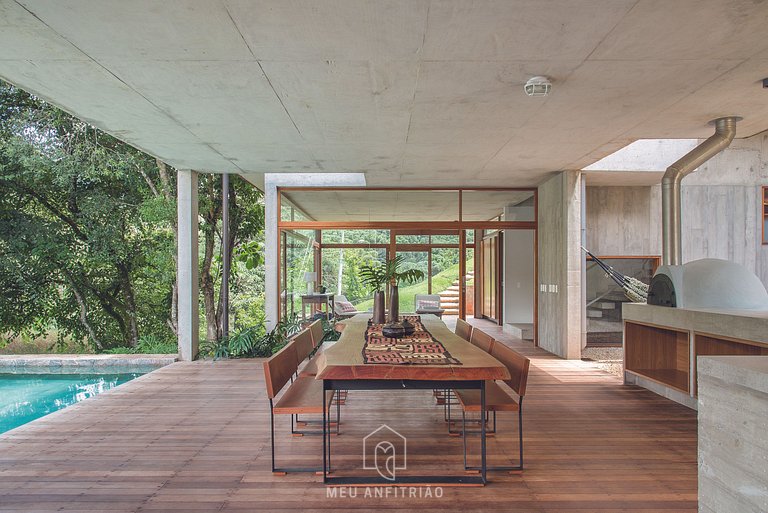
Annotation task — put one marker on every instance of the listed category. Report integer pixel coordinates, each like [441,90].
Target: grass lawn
[440,282]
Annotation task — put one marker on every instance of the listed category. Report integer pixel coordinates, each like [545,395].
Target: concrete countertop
[740,324]
[746,371]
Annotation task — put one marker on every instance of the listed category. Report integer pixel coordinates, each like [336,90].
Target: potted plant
[395,277]
[374,276]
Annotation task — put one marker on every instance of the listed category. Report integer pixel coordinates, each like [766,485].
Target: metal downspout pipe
[725,131]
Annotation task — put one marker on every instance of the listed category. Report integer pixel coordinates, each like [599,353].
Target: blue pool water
[26,397]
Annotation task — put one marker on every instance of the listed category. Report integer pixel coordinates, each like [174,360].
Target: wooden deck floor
[195,437]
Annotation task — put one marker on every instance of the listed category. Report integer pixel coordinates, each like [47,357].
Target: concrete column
[560,265]
[271,255]
[188,273]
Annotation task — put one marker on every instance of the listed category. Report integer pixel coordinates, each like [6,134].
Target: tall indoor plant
[396,276]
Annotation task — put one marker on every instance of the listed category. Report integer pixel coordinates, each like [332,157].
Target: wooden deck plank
[195,437]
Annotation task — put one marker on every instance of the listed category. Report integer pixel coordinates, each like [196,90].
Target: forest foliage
[88,231]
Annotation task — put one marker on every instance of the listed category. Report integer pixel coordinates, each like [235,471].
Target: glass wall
[298,259]
[341,273]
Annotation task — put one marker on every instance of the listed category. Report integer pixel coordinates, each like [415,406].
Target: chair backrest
[303,342]
[279,369]
[516,364]
[432,300]
[463,329]
[482,340]
[317,332]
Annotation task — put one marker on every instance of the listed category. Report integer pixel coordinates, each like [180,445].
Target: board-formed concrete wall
[720,214]
[623,221]
[559,315]
[733,413]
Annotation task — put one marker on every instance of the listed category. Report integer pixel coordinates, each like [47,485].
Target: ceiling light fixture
[538,86]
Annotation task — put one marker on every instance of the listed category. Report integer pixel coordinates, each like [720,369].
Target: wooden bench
[463,329]
[497,398]
[304,395]
[482,340]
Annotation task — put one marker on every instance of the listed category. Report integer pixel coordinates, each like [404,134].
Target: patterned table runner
[419,348]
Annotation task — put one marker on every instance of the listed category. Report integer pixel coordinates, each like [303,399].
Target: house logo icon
[384,450]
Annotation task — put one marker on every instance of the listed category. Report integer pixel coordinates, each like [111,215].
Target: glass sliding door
[407,292]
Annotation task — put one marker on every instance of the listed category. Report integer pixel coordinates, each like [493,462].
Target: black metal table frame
[405,384]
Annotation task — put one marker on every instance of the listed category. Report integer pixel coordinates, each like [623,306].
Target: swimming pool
[26,396]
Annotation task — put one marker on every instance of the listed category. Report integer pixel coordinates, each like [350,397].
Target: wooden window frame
[764,212]
[414,227]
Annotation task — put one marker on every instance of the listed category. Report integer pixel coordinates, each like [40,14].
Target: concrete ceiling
[410,92]
[398,205]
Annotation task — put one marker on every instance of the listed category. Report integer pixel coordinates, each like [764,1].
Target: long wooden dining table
[342,367]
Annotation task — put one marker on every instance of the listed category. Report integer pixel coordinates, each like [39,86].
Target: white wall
[519,279]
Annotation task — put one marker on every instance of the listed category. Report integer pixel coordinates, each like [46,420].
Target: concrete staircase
[449,298]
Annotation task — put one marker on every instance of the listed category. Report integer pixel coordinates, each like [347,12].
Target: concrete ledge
[733,448]
[31,361]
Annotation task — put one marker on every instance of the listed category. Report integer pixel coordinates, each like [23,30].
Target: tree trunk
[167,192]
[207,282]
[84,312]
[130,303]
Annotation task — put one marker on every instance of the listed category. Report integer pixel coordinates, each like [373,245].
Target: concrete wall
[721,211]
[623,220]
[721,206]
[560,265]
[733,413]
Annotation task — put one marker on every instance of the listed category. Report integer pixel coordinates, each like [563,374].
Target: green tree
[86,233]
[246,228]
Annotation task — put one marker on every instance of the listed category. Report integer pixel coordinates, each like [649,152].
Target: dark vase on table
[379,316]
[394,304]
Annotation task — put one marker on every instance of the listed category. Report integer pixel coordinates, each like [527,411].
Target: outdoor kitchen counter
[661,344]
[733,407]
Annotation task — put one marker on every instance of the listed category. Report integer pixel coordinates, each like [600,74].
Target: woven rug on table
[419,348]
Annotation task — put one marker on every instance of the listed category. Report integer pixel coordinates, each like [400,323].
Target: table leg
[483,463]
[325,428]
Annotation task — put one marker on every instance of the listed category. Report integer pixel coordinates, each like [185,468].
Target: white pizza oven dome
[709,283]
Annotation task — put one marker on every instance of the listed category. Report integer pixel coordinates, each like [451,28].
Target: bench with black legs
[464,330]
[318,333]
[303,395]
[498,399]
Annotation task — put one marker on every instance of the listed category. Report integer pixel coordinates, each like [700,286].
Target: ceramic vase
[394,304]
[379,316]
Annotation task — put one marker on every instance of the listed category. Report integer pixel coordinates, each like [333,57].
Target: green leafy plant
[148,344]
[406,276]
[253,341]
[215,348]
[329,331]
[152,344]
[374,276]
